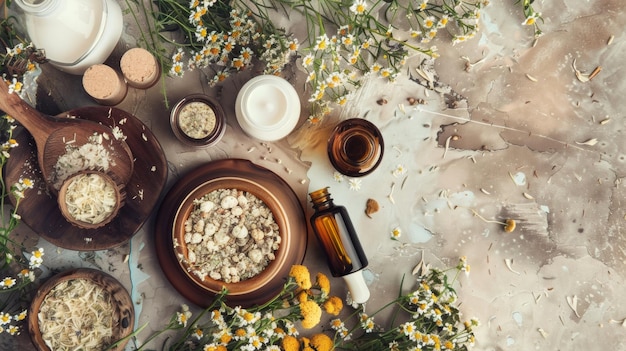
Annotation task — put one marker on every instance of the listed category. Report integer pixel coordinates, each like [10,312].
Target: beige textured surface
[522,151]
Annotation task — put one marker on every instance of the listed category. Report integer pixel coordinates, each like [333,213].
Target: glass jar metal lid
[198,120]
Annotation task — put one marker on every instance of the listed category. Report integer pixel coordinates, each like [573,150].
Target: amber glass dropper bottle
[334,230]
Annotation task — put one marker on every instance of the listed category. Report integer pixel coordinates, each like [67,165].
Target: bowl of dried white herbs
[232,225]
[90,199]
[81,308]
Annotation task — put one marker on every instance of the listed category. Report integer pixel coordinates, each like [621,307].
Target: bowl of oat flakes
[230,224]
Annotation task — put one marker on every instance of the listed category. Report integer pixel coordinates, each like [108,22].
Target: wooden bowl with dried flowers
[80,309]
[90,199]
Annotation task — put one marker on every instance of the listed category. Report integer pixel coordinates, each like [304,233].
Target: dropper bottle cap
[359,291]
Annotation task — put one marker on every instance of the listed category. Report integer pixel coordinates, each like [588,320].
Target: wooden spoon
[53,135]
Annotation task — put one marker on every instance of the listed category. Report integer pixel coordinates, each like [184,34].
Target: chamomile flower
[355,184]
[14,330]
[27,274]
[317,95]
[25,183]
[429,22]
[347,40]
[5,318]
[386,72]
[321,43]
[367,323]
[308,60]
[459,39]
[246,55]
[211,347]
[293,45]
[396,233]
[21,316]
[338,177]
[36,258]
[177,69]
[377,67]
[399,170]
[443,21]
[342,100]
[311,76]
[407,328]
[290,329]
[337,324]
[201,33]
[15,86]
[183,316]
[197,334]
[531,19]
[335,79]
[358,7]
[238,63]
[8,282]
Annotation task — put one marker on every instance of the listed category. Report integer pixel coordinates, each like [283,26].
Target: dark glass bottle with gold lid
[335,232]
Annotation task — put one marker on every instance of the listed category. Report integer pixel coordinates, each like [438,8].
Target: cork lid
[104,84]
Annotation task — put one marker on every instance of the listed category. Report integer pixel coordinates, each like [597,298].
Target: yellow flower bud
[301,275]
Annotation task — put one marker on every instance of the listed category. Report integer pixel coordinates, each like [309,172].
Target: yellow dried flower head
[290,343]
[323,282]
[311,314]
[509,226]
[333,305]
[301,275]
[321,342]
[303,296]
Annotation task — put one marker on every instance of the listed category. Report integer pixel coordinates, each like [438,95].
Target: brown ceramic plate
[40,211]
[227,174]
[124,314]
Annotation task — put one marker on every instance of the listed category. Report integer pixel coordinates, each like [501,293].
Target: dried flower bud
[371,206]
[510,225]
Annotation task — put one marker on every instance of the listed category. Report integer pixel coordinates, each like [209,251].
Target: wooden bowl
[122,313]
[66,187]
[41,212]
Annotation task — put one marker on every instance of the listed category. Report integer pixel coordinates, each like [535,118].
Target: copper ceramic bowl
[122,313]
[198,120]
[242,175]
[65,203]
[274,266]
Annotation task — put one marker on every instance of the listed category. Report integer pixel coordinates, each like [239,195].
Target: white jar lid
[267,108]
